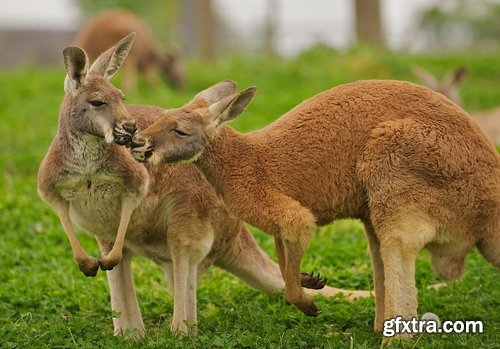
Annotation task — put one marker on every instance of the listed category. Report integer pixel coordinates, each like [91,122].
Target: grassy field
[45,302]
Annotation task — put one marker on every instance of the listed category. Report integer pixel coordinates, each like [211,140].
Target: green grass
[45,302]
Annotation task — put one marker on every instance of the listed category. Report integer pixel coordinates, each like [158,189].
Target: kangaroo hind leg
[123,296]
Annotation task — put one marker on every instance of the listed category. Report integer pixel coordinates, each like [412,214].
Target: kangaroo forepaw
[311,281]
[108,262]
[88,266]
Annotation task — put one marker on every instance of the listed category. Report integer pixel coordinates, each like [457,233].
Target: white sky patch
[33,14]
[300,24]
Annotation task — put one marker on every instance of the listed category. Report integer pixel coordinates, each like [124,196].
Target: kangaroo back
[107,27]
[487,120]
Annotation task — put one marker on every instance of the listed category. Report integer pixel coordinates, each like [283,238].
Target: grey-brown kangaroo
[168,213]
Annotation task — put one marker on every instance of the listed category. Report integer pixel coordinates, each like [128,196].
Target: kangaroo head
[447,86]
[95,105]
[180,135]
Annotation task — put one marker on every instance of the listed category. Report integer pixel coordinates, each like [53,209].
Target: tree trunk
[272,19]
[198,28]
[206,29]
[368,22]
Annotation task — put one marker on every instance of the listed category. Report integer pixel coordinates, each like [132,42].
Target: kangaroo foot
[311,281]
[310,309]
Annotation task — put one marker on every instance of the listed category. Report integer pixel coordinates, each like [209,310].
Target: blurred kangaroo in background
[487,120]
[169,213]
[107,27]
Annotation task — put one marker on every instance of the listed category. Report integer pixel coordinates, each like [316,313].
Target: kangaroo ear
[453,78]
[215,93]
[231,106]
[108,63]
[425,77]
[76,63]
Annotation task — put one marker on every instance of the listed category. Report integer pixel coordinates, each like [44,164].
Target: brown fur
[408,163]
[107,27]
[487,120]
[177,220]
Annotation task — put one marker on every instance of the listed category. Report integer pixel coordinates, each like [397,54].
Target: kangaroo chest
[95,187]
[95,201]
[95,206]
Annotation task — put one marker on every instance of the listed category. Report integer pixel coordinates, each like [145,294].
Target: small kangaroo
[107,27]
[487,120]
[411,165]
[168,214]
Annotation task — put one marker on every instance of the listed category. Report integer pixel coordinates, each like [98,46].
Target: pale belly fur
[95,206]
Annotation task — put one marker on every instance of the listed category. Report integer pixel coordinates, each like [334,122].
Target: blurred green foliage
[476,23]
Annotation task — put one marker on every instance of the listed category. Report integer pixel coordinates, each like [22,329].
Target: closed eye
[180,133]
[97,103]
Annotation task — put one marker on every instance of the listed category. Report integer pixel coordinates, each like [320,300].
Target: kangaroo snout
[137,141]
[123,132]
[130,127]
[141,149]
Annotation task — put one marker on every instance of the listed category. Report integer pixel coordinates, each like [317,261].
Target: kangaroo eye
[180,133]
[97,103]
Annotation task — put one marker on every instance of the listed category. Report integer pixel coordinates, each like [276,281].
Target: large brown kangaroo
[407,162]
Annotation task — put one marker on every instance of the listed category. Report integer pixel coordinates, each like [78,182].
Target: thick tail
[350,295]
[245,259]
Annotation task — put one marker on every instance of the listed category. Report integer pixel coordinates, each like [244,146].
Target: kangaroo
[107,27]
[168,214]
[407,162]
[487,120]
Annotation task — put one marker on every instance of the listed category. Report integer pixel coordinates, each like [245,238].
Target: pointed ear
[76,63]
[108,63]
[453,78]
[425,77]
[231,106]
[215,93]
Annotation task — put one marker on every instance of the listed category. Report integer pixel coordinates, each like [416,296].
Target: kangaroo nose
[129,127]
[137,142]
